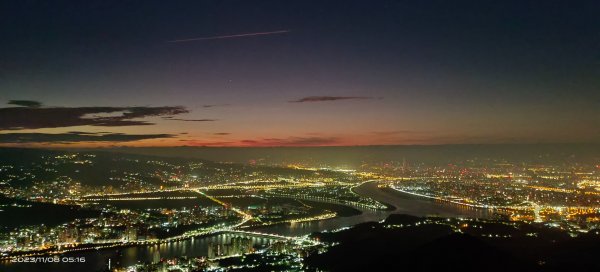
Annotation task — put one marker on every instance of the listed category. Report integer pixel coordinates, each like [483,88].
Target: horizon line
[297,146]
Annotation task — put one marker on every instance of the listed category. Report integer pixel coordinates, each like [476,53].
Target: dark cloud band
[73,137]
[15,118]
[25,103]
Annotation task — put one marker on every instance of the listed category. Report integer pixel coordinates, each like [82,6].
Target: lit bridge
[262,234]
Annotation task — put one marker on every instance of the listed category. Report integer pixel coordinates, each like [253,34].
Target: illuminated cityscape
[342,135]
[181,199]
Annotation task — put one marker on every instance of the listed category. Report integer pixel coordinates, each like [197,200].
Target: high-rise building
[237,246]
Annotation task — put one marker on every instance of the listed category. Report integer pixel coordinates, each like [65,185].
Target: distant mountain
[21,168]
[357,155]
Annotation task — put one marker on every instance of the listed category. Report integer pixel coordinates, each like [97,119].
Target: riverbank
[411,204]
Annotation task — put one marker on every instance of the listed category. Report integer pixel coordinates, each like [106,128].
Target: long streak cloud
[231,36]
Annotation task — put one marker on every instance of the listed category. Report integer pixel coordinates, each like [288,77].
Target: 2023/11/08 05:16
[48,259]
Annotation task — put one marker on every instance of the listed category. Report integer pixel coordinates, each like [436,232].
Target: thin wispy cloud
[193,120]
[398,132]
[293,141]
[328,98]
[214,105]
[188,120]
[205,143]
[233,36]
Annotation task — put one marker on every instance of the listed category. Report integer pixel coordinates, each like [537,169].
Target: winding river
[404,203]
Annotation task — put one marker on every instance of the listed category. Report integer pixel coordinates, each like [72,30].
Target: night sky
[298,73]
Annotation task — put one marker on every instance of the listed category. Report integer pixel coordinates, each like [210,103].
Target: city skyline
[298,73]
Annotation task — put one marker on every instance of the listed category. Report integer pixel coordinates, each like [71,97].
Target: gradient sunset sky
[298,73]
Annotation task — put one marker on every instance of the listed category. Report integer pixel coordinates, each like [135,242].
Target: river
[404,203]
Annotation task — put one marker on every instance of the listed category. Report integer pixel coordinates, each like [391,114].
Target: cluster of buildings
[237,246]
[111,226]
[543,193]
